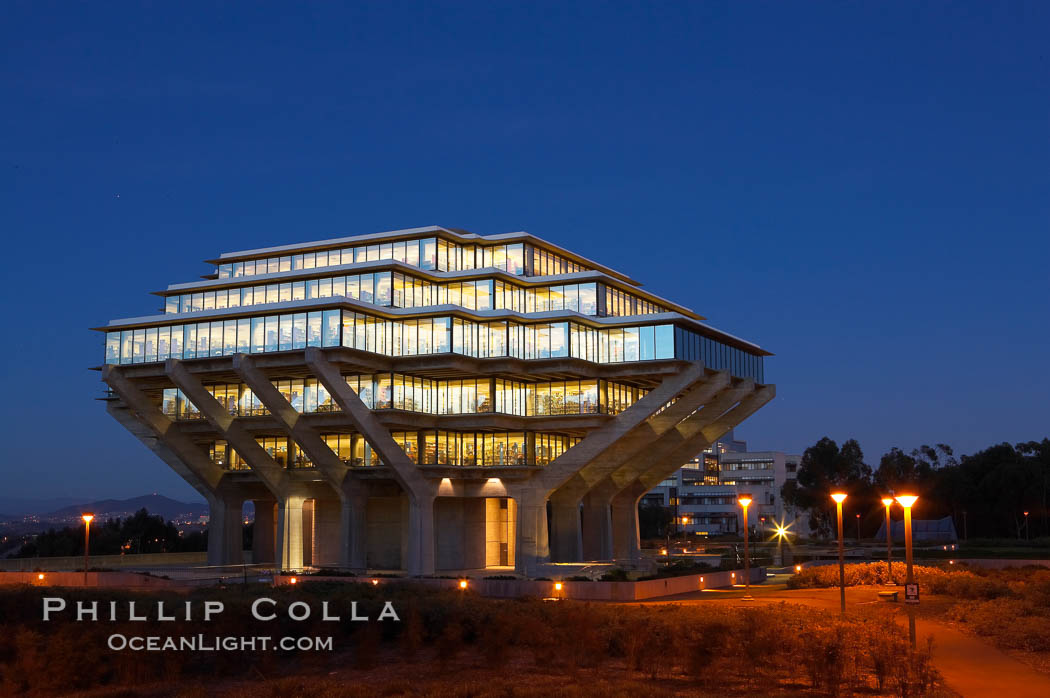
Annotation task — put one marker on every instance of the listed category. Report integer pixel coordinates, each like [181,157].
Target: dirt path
[969,665]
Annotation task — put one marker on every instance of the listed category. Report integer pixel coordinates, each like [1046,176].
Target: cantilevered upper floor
[423,291]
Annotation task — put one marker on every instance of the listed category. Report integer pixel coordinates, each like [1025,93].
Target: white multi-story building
[703,494]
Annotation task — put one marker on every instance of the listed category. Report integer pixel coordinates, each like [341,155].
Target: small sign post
[911,593]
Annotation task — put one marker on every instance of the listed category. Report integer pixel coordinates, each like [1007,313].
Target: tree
[899,471]
[824,467]
[654,519]
[139,533]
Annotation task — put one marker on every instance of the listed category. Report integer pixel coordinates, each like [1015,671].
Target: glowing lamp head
[87,517]
[839,497]
[462,584]
[907,500]
[744,500]
[557,586]
[887,501]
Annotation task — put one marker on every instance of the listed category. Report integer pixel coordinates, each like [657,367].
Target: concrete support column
[264,532]
[328,534]
[421,535]
[565,536]
[225,530]
[290,533]
[353,529]
[533,547]
[623,510]
[597,526]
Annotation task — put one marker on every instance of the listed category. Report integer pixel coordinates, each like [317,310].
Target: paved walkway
[970,666]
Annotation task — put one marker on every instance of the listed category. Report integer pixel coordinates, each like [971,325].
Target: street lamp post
[745,500]
[888,502]
[839,498]
[906,501]
[87,540]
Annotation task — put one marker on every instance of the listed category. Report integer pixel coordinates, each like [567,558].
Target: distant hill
[16,507]
[156,504]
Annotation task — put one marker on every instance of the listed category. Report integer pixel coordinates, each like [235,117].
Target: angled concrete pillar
[420,491]
[262,464]
[705,436]
[349,491]
[289,494]
[139,415]
[594,534]
[624,506]
[628,426]
[689,430]
[648,433]
[264,532]
[190,462]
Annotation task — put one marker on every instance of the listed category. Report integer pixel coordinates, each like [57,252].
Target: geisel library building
[425,400]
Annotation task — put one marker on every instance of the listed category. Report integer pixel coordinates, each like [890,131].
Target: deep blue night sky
[861,188]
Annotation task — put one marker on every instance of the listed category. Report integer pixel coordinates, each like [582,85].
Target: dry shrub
[958,582]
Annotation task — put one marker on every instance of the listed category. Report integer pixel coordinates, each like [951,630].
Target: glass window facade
[413,337]
[394,289]
[425,253]
[398,391]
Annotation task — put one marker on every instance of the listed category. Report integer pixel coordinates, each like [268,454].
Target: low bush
[958,582]
[771,648]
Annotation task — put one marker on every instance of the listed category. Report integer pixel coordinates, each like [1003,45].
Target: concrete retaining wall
[123,580]
[56,564]
[581,591]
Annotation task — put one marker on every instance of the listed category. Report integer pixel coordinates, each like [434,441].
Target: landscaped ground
[455,644]
[990,629]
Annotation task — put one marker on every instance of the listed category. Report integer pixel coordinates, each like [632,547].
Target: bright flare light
[839,497]
[907,500]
